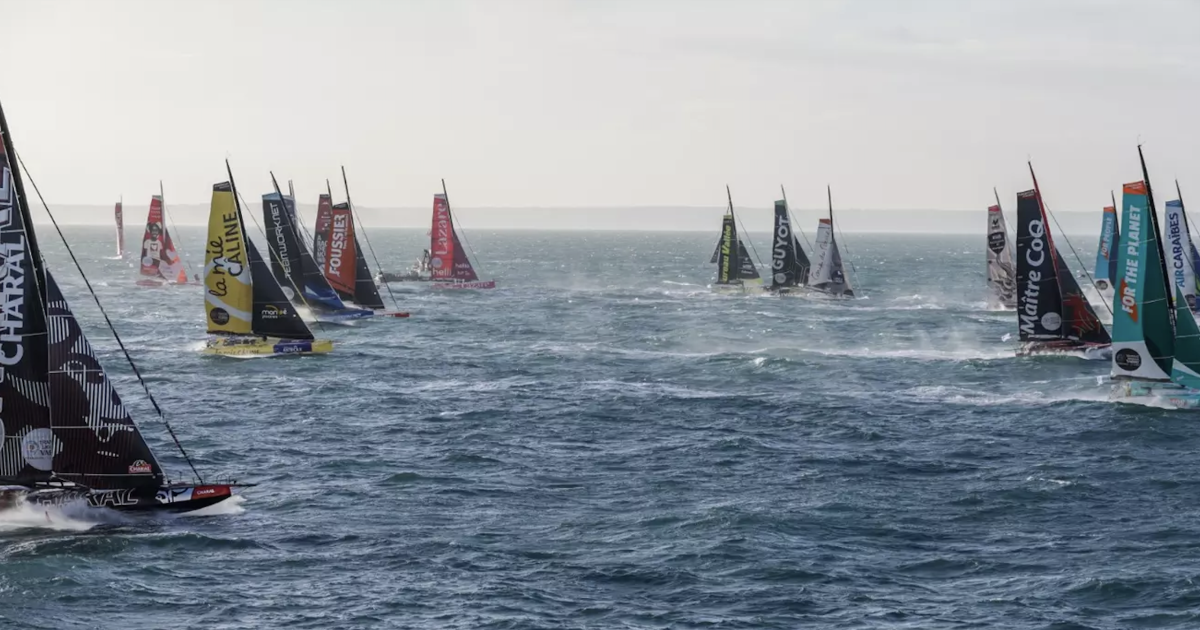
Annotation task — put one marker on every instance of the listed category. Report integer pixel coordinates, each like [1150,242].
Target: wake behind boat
[1053,316]
[65,435]
[247,312]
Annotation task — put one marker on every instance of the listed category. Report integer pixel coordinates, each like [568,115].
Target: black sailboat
[735,269]
[294,266]
[65,435]
[789,264]
[1053,315]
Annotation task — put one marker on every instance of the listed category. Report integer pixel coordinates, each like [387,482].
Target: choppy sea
[603,443]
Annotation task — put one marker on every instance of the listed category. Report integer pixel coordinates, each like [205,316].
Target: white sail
[1178,250]
[820,266]
[1002,272]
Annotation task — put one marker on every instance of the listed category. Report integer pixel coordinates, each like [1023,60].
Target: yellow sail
[228,294]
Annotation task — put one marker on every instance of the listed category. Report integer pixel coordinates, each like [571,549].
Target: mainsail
[1050,304]
[728,268]
[1106,254]
[829,275]
[293,266]
[1185,369]
[96,442]
[27,442]
[1143,331]
[60,415]
[449,261]
[1179,254]
[1002,275]
[119,214]
[229,293]
[159,258]
[789,264]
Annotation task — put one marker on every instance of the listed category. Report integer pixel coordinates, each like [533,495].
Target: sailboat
[119,215]
[1106,253]
[1182,255]
[829,275]
[294,267]
[450,267]
[1156,343]
[248,313]
[789,264]
[736,271]
[340,256]
[1053,316]
[161,263]
[65,435]
[1001,271]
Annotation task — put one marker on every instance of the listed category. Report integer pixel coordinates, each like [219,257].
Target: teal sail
[1143,333]
[1106,253]
[1186,369]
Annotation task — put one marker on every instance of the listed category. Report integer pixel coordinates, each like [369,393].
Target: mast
[354,213]
[997,195]
[35,261]
[1168,285]
[829,196]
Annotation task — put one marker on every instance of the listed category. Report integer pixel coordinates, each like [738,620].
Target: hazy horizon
[920,105]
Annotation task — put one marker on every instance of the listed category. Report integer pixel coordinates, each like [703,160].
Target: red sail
[339,266]
[120,229]
[443,243]
[153,241]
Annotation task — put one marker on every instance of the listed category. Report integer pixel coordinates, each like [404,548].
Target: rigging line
[279,260]
[834,226]
[116,335]
[171,219]
[793,218]
[306,237]
[1087,274]
[451,215]
[743,228]
[354,213]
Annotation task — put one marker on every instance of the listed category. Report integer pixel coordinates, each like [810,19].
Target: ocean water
[602,443]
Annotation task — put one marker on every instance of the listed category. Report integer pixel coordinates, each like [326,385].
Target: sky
[904,106]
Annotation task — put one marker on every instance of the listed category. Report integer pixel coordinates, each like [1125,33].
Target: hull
[170,498]
[1091,352]
[411,276]
[477,284]
[1144,392]
[153,282]
[343,317]
[231,346]
[393,314]
[741,287]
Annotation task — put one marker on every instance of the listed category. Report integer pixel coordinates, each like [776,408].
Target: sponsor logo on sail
[783,240]
[337,244]
[270,311]
[1128,359]
[37,447]
[280,239]
[140,467]
[1106,233]
[1035,256]
[12,280]
[1129,282]
[219,316]
[1175,233]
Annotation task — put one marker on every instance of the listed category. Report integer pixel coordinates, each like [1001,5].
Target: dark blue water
[602,443]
